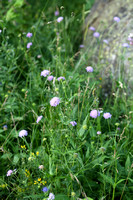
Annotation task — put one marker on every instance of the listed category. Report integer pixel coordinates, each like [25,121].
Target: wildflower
[37,153]
[0,31]
[73,123]
[81,46]
[29,44]
[50,78]
[44,189]
[130,38]
[9,172]
[116,19]
[29,35]
[51,196]
[56,13]
[41,166]
[96,34]
[92,28]
[54,101]
[107,115]
[61,78]
[23,146]
[45,73]
[39,179]
[89,69]
[39,118]
[105,41]
[5,127]
[125,45]
[39,56]
[59,19]
[94,113]
[102,149]
[23,133]
[98,132]
[73,194]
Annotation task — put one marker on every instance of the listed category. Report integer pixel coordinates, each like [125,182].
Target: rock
[113,20]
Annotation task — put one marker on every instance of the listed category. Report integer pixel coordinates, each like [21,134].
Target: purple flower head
[125,45]
[45,73]
[54,101]
[9,172]
[94,113]
[81,46]
[44,189]
[92,28]
[41,166]
[59,19]
[61,78]
[89,69]
[107,115]
[98,132]
[5,127]
[23,133]
[56,13]
[29,44]
[116,19]
[96,35]
[50,78]
[105,41]
[51,196]
[39,118]
[29,35]
[73,123]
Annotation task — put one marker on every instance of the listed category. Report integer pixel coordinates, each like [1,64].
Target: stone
[112,51]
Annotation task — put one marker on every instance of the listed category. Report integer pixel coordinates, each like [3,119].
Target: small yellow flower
[23,146]
[73,194]
[39,179]
[37,153]
[100,78]
[35,182]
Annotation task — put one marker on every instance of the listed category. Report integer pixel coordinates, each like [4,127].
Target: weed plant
[77,145]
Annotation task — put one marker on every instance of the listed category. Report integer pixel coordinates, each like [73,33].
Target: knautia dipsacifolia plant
[60,138]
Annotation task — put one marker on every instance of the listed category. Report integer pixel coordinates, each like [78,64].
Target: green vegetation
[74,161]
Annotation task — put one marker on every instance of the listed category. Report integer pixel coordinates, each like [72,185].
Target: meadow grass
[81,146]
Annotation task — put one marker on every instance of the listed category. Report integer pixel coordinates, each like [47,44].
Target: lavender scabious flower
[61,78]
[81,46]
[51,196]
[105,41]
[9,172]
[59,19]
[73,123]
[45,73]
[39,118]
[41,166]
[44,189]
[50,78]
[5,127]
[23,133]
[56,13]
[94,113]
[116,19]
[125,45]
[107,115]
[29,45]
[29,35]
[96,35]
[92,28]
[54,101]
[98,132]
[130,38]
[89,69]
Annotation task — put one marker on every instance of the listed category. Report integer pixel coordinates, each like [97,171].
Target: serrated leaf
[107,179]
[7,156]
[10,14]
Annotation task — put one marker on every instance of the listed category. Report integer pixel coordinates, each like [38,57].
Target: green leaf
[16,159]
[10,14]
[119,181]
[61,197]
[18,4]
[107,179]
[128,163]
[82,129]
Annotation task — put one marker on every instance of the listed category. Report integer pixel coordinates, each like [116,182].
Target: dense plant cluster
[60,136]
